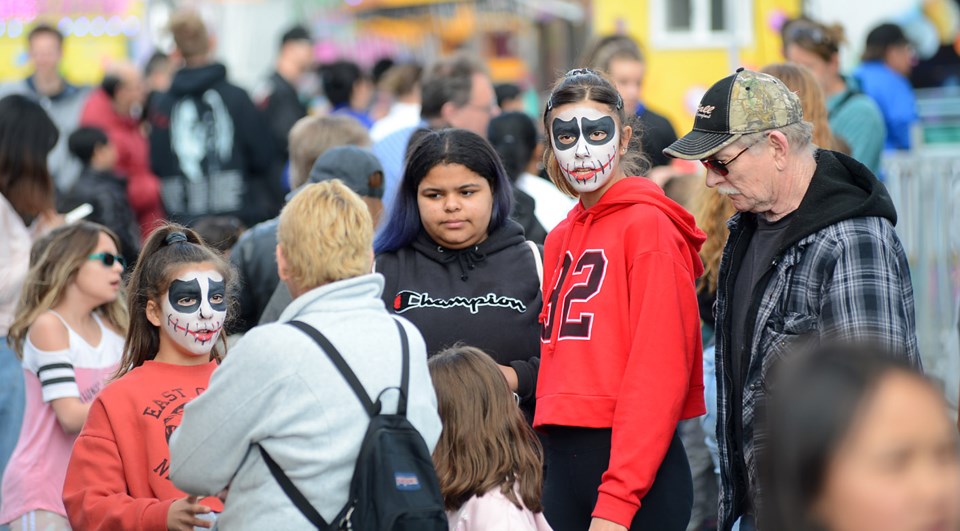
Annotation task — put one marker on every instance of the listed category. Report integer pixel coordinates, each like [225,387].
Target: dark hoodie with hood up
[487,296]
[839,274]
[210,148]
[621,345]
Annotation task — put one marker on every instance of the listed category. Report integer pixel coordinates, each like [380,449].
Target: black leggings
[578,457]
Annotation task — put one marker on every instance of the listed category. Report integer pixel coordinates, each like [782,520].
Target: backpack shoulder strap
[404,372]
[292,492]
[341,365]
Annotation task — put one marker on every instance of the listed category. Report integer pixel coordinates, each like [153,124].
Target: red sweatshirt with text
[118,474]
[621,345]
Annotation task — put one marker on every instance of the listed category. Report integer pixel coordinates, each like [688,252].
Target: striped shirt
[34,478]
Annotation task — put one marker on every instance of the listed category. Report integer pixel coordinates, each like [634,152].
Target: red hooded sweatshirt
[621,345]
[119,471]
[133,158]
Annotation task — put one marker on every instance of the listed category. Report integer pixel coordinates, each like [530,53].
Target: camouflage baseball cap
[743,103]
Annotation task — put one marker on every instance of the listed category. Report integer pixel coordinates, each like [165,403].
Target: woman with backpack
[280,398]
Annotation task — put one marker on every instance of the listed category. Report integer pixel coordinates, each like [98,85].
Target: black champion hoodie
[210,147]
[487,296]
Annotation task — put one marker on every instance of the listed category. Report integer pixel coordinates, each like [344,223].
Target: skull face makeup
[586,143]
[194,309]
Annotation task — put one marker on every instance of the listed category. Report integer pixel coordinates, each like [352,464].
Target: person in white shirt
[514,136]
[402,82]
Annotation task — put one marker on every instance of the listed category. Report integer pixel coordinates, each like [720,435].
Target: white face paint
[586,143]
[194,309]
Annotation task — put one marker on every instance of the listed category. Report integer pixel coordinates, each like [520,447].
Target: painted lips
[583,175]
[201,336]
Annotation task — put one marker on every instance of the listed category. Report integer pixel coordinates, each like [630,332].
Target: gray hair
[449,80]
[799,135]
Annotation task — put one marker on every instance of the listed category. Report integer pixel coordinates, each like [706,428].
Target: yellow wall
[671,74]
[84,58]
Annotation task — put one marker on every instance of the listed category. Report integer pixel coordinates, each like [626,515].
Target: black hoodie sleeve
[258,147]
[527,371]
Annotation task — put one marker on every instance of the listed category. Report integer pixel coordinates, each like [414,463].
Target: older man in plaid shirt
[812,256]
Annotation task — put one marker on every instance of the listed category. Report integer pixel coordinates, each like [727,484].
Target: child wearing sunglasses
[118,475]
[68,333]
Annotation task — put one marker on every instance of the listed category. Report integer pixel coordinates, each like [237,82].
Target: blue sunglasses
[108,259]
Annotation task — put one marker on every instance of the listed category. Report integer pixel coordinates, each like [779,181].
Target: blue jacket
[841,274]
[894,96]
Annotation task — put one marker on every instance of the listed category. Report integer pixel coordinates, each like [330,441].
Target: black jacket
[280,104]
[487,297]
[210,148]
[254,256]
[107,194]
[656,133]
[524,213]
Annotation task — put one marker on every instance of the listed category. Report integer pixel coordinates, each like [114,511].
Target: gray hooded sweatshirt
[277,388]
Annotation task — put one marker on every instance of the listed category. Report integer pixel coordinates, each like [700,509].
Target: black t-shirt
[761,251]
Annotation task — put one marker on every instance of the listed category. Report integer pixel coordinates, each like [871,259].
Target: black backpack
[394,486]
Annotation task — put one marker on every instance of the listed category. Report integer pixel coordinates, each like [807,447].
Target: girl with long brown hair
[67,332]
[118,474]
[489,461]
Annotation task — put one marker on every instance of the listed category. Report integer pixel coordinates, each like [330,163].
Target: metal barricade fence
[925,186]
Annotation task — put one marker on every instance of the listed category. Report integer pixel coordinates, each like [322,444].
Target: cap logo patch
[705,111]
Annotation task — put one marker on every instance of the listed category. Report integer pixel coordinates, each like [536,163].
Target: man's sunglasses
[108,259]
[720,167]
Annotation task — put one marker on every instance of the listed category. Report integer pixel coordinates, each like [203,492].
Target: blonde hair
[712,209]
[312,136]
[800,80]
[485,443]
[189,33]
[325,234]
[55,260]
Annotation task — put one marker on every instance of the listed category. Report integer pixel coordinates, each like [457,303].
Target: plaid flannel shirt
[848,281]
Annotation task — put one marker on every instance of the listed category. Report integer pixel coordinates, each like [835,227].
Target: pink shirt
[34,477]
[494,512]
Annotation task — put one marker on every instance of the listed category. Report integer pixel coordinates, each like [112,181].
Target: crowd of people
[422,305]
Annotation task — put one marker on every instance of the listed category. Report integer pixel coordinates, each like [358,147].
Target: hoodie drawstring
[466,258]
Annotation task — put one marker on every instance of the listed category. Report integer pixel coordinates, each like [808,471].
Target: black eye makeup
[595,132]
[565,128]
[603,125]
[218,292]
[181,290]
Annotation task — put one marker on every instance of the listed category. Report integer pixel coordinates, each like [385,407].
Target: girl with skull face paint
[620,339]
[118,474]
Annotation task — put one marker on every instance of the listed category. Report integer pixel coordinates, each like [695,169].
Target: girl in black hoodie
[455,264]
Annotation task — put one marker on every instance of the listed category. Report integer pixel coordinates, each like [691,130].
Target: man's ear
[448,113]
[781,148]
[153,313]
